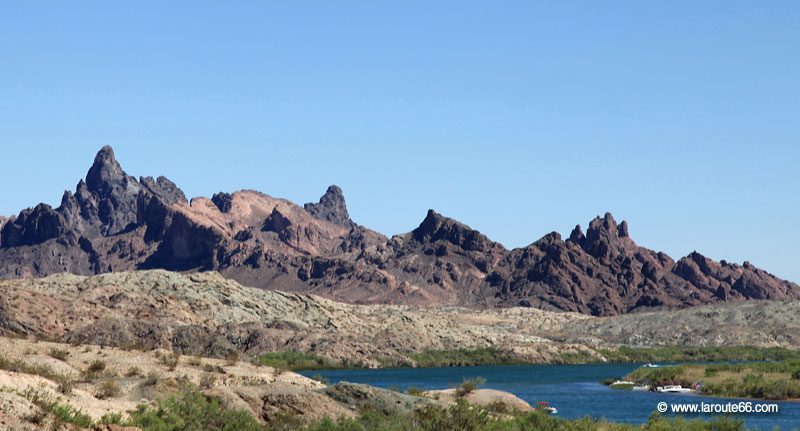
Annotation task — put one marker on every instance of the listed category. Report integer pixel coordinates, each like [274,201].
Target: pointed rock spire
[331,207]
[104,173]
[109,196]
[623,229]
[601,236]
[577,235]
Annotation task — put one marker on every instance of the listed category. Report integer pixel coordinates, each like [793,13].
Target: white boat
[623,383]
[546,407]
[673,389]
[640,388]
[649,365]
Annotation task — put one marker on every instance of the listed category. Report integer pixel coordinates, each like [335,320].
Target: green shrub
[469,385]
[462,416]
[232,358]
[151,379]
[699,354]
[111,419]
[209,368]
[59,354]
[69,415]
[65,383]
[207,381]
[415,391]
[192,410]
[133,372]
[295,361]
[97,366]
[171,360]
[20,366]
[463,357]
[108,389]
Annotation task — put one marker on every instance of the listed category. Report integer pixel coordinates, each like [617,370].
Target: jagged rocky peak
[437,227]
[108,196]
[606,223]
[623,229]
[164,189]
[604,236]
[577,235]
[223,201]
[106,175]
[32,226]
[331,207]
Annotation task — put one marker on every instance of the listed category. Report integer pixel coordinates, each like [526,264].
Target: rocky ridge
[749,323]
[114,222]
[206,314]
[209,315]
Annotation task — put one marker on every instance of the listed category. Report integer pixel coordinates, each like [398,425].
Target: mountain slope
[114,222]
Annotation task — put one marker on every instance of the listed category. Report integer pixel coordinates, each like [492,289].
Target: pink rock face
[113,222]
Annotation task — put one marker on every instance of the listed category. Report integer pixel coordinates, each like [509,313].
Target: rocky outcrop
[223,201]
[436,228]
[384,401]
[109,195]
[604,272]
[165,189]
[481,397]
[206,314]
[331,207]
[112,222]
[33,226]
[743,323]
[139,377]
[133,379]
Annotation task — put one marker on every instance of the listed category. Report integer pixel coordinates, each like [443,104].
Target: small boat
[673,389]
[649,365]
[622,384]
[640,388]
[546,407]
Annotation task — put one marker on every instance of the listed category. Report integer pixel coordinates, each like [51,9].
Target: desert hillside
[46,385]
[207,314]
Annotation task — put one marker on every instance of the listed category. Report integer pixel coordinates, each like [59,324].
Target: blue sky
[518,118]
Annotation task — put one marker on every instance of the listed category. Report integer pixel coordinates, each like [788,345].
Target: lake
[573,389]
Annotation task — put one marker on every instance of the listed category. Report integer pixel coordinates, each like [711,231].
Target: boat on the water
[622,384]
[640,388]
[650,365]
[673,389]
[546,407]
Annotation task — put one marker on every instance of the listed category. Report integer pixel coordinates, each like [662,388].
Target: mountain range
[113,222]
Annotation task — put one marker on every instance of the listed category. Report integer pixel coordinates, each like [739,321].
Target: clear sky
[517,118]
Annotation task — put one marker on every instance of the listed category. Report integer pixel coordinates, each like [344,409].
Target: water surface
[573,389]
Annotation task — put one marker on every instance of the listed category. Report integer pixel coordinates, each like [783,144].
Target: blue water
[573,389]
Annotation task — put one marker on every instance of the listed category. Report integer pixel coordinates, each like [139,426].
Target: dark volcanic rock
[436,227]
[113,222]
[331,207]
[110,192]
[33,226]
[164,189]
[276,222]
[223,201]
